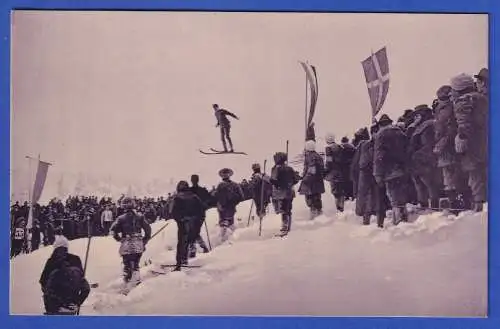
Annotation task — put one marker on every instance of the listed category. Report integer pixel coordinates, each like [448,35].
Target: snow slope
[332,266]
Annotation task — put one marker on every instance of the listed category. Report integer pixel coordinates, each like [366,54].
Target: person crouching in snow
[283,178]
[63,282]
[188,211]
[228,195]
[312,185]
[127,229]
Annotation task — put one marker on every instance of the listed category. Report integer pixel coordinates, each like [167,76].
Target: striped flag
[41,176]
[312,79]
[376,69]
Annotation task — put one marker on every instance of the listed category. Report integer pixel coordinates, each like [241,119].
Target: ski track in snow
[435,265]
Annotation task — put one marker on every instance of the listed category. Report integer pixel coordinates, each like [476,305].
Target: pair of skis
[214,151]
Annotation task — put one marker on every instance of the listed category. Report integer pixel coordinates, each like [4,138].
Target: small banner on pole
[376,69]
[312,79]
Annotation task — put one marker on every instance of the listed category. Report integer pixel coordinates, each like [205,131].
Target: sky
[126,96]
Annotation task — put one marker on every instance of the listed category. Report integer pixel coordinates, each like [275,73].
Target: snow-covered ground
[436,265]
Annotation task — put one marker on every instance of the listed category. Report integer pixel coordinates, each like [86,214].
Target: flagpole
[305,109]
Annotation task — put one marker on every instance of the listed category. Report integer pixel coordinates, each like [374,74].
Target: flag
[41,176]
[376,69]
[312,79]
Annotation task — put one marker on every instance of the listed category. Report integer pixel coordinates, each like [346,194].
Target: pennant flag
[312,79]
[41,176]
[376,68]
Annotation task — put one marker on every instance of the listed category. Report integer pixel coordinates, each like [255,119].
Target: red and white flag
[376,68]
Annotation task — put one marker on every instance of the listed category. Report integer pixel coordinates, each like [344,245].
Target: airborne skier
[225,126]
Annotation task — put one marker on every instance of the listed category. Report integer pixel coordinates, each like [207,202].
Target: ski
[219,151]
[209,153]
[173,265]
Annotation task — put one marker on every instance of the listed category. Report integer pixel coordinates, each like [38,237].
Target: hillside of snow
[436,265]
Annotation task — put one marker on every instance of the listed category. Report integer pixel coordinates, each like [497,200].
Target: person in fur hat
[390,167]
[423,162]
[283,179]
[445,129]
[336,170]
[312,184]
[471,142]
[127,229]
[228,195]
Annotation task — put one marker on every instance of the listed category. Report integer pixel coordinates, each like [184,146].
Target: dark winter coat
[256,182]
[445,130]
[187,205]
[204,196]
[58,256]
[471,113]
[283,179]
[228,194]
[422,158]
[130,224]
[334,171]
[221,116]
[390,153]
[313,174]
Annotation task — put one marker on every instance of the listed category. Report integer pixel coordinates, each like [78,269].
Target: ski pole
[208,236]
[287,151]
[161,229]
[261,215]
[250,213]
[86,257]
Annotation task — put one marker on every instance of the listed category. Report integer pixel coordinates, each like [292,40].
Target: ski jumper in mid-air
[225,126]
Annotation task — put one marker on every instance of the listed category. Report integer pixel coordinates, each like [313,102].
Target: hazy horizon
[128,95]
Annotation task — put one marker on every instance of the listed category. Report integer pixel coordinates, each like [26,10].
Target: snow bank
[436,265]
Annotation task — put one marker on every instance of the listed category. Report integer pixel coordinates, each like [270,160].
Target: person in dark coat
[312,184]
[348,151]
[187,209]
[390,166]
[471,142]
[361,135]
[225,126]
[204,196]
[283,179]
[127,229]
[62,280]
[423,162]
[310,133]
[445,129]
[228,195]
[482,81]
[371,198]
[336,171]
[261,190]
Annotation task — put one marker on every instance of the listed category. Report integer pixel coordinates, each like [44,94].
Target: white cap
[60,241]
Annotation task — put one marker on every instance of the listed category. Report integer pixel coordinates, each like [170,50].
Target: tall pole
[305,110]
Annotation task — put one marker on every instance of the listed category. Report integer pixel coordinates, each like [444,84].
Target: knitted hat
[461,82]
[60,241]
[310,145]
[225,173]
[443,92]
[330,138]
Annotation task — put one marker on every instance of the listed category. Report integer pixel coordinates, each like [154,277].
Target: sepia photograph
[183,163]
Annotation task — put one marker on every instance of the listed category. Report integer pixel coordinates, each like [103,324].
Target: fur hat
[256,166]
[310,146]
[483,75]
[225,173]
[182,186]
[461,82]
[344,140]
[330,138]
[280,157]
[443,92]
[60,241]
